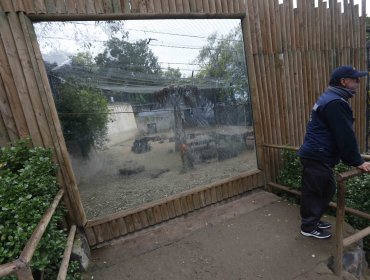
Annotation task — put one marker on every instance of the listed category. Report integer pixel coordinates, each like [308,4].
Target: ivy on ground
[27,187]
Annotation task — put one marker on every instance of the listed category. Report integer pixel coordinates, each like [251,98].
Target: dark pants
[318,188]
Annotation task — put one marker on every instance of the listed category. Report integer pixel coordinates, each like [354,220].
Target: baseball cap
[347,71]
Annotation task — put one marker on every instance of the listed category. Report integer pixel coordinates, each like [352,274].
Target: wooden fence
[122,223]
[290,53]
[80,9]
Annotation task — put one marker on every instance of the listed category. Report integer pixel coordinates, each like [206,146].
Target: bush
[357,188]
[83,113]
[27,188]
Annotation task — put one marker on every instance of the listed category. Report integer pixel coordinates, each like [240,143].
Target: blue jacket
[330,136]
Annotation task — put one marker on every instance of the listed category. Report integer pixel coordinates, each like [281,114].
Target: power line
[168,33]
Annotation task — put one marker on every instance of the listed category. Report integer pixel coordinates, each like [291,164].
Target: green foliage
[223,59]
[83,113]
[291,174]
[357,188]
[134,57]
[27,187]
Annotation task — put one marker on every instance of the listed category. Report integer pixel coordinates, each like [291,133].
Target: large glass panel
[149,108]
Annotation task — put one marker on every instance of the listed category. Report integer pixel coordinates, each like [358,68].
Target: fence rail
[341,209]
[21,266]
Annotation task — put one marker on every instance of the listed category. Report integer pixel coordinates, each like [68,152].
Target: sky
[176,43]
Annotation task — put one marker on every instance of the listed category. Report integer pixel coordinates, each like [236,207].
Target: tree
[134,57]
[172,74]
[222,60]
[83,113]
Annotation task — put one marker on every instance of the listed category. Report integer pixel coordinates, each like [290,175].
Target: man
[329,138]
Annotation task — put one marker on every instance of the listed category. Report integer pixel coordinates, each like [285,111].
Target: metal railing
[341,209]
[21,266]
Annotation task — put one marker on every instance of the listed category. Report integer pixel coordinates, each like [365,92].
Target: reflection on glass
[137,127]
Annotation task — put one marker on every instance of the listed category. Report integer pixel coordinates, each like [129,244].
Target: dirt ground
[161,175]
[253,237]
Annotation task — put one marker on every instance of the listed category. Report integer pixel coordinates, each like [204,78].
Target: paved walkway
[254,237]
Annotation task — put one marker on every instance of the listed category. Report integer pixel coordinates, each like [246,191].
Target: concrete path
[254,237]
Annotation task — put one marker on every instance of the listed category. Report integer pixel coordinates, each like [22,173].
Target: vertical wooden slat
[219,193]
[184,205]
[116,6]
[212,6]
[236,7]
[40,7]
[179,7]
[99,9]
[205,6]
[29,7]
[172,6]
[18,5]
[157,6]
[193,6]
[150,216]
[99,234]
[125,6]
[230,6]
[8,129]
[135,6]
[90,6]
[225,191]
[224,6]
[90,236]
[7,5]
[196,200]
[199,6]
[114,228]
[108,7]
[208,197]
[218,6]
[30,82]
[190,203]
[157,214]
[106,231]
[137,221]
[60,6]
[143,219]
[129,223]
[202,199]
[13,79]
[186,5]
[213,195]
[71,6]
[7,115]
[164,212]
[171,210]
[165,6]
[177,205]
[242,7]
[50,6]
[121,226]
[150,6]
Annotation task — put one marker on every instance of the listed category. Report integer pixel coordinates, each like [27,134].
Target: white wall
[123,126]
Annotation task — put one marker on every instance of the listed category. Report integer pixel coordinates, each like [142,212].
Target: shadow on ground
[254,237]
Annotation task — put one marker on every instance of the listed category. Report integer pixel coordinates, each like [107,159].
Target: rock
[141,145]
[81,251]
[131,170]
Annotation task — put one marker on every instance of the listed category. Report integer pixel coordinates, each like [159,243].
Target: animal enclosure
[289,54]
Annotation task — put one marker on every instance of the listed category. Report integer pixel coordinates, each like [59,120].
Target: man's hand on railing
[365,166]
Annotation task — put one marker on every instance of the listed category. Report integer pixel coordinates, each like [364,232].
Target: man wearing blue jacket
[329,138]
